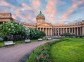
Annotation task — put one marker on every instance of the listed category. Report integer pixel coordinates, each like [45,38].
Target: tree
[13,31]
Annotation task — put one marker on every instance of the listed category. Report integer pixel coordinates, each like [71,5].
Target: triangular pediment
[45,25]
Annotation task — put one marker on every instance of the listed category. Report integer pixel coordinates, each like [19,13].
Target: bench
[27,40]
[7,43]
[40,39]
[49,38]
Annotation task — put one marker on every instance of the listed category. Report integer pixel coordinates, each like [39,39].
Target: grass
[68,50]
[1,44]
[19,42]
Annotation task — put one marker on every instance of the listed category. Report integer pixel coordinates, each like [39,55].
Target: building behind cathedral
[5,17]
[48,28]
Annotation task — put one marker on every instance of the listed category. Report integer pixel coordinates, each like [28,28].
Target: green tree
[13,31]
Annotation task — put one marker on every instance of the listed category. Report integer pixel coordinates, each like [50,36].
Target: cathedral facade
[54,30]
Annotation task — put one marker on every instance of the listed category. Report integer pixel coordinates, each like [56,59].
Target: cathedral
[54,30]
[48,28]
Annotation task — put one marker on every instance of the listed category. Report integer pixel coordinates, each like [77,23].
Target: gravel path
[15,53]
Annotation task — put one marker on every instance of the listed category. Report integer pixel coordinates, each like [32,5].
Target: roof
[40,15]
[5,15]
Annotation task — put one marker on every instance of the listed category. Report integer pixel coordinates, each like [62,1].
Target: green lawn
[1,44]
[68,50]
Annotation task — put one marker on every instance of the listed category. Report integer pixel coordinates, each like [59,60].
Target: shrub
[41,54]
[68,35]
[13,31]
[35,34]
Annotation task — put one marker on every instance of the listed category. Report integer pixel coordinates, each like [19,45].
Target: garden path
[15,53]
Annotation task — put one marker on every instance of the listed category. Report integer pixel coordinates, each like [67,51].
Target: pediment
[45,25]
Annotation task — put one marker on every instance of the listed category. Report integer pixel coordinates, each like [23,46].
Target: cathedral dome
[40,16]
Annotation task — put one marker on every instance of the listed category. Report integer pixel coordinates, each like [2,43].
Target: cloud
[25,7]
[3,2]
[27,12]
[36,4]
[51,11]
[61,3]
[76,4]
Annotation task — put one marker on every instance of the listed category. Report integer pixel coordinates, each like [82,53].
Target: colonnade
[57,31]
[48,31]
[61,30]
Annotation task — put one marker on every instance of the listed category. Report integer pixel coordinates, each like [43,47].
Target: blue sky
[55,11]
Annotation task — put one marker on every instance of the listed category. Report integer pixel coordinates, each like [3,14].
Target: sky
[55,11]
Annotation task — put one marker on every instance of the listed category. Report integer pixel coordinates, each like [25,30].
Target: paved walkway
[15,53]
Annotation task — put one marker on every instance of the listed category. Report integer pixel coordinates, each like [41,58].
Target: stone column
[77,30]
[58,31]
[39,28]
[73,30]
[82,30]
[66,30]
[54,31]
[63,30]
[44,30]
[47,31]
[51,32]
[69,30]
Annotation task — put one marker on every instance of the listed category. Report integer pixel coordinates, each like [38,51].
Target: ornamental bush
[35,34]
[13,31]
